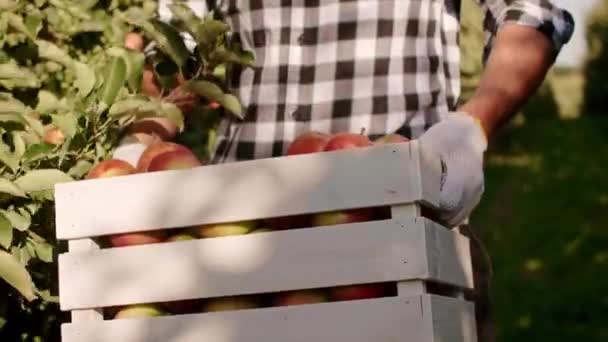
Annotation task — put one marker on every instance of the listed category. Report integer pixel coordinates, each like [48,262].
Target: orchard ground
[543,218]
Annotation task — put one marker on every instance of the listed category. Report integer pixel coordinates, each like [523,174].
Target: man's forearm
[517,65]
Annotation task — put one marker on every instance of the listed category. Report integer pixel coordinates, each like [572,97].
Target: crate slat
[374,176]
[453,319]
[394,319]
[449,256]
[256,263]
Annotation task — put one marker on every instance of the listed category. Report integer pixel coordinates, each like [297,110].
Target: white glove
[461,143]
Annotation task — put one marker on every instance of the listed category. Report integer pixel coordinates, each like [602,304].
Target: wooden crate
[406,248]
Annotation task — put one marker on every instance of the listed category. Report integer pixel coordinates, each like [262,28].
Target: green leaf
[37,151]
[47,102]
[13,76]
[33,23]
[43,179]
[210,30]
[67,123]
[134,105]
[10,188]
[170,42]
[15,274]
[81,168]
[18,144]
[232,104]
[44,251]
[85,78]
[16,22]
[21,221]
[173,113]
[7,157]
[115,77]
[6,232]
[184,13]
[50,51]
[206,89]
[47,297]
[135,62]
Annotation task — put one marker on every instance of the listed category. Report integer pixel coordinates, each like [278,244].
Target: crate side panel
[378,320]
[453,319]
[449,256]
[374,176]
[256,263]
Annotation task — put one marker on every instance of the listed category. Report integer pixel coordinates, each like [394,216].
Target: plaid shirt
[354,65]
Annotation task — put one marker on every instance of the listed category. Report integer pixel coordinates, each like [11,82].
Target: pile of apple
[161,155]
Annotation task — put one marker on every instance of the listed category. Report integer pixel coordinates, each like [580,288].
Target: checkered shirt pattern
[372,66]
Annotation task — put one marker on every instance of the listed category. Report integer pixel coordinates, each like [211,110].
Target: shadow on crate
[183,197]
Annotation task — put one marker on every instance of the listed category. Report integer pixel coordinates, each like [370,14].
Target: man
[387,66]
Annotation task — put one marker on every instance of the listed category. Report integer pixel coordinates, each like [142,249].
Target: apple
[346,140]
[53,135]
[342,217]
[229,303]
[300,297]
[134,41]
[161,127]
[225,229]
[353,292]
[111,168]
[157,149]
[174,160]
[288,222]
[138,238]
[309,142]
[183,306]
[391,139]
[181,237]
[149,84]
[139,311]
[261,230]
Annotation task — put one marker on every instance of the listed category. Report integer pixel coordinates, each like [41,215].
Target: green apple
[225,229]
[139,311]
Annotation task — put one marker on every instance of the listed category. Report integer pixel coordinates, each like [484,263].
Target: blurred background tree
[544,211]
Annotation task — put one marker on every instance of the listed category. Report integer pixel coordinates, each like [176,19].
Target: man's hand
[517,65]
[460,142]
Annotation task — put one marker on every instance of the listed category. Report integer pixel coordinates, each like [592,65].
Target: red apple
[134,41]
[174,160]
[229,303]
[155,150]
[289,222]
[111,168]
[183,306]
[161,127]
[139,310]
[353,292]
[346,140]
[309,142]
[300,297]
[390,139]
[149,84]
[342,217]
[53,135]
[139,238]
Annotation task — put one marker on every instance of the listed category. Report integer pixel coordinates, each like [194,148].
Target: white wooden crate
[405,248]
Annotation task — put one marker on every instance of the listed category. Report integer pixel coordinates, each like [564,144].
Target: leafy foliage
[69,88]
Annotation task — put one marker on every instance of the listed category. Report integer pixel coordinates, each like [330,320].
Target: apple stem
[362,131]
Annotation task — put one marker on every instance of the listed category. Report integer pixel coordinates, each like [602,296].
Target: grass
[543,218]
